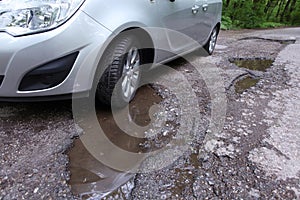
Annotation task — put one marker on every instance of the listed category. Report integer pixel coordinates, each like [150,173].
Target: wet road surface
[88,175]
[255,156]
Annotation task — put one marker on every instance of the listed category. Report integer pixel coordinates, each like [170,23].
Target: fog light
[48,75]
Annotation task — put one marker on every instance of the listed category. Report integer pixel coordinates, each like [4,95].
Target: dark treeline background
[260,13]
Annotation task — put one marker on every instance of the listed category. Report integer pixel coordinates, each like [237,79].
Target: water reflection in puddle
[245,84]
[88,175]
[258,64]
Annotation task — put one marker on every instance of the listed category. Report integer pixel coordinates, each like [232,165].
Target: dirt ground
[256,155]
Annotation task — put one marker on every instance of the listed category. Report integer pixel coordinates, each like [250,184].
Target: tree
[258,13]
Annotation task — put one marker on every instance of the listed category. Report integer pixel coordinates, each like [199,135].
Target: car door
[177,15]
[191,18]
[209,15]
[203,13]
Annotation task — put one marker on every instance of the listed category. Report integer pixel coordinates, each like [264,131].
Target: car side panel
[150,15]
[117,15]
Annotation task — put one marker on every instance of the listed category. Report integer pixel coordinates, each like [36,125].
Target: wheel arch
[218,25]
[146,41]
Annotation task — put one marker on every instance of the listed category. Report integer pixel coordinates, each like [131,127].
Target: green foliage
[246,16]
[260,13]
[226,23]
[295,17]
[271,25]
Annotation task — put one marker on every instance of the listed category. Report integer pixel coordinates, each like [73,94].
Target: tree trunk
[268,6]
[285,11]
[227,3]
[279,8]
[292,7]
[271,8]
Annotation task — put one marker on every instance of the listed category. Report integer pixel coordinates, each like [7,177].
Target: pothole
[288,42]
[258,64]
[245,83]
[280,40]
[89,177]
[79,173]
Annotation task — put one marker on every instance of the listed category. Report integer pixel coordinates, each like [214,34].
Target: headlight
[31,16]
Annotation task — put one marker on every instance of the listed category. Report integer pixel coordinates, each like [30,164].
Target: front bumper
[21,55]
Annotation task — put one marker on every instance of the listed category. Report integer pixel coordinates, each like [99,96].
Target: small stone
[35,190]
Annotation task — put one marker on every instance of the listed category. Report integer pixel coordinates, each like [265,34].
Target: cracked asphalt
[256,155]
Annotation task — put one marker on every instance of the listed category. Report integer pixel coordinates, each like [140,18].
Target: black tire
[211,43]
[114,60]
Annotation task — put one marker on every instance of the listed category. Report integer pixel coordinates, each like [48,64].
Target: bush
[226,23]
[271,25]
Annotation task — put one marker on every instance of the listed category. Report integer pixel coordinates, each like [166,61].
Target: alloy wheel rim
[213,40]
[131,73]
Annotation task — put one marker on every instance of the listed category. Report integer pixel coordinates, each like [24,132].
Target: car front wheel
[122,62]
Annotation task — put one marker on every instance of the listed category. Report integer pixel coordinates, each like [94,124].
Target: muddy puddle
[186,175]
[287,42]
[258,64]
[89,177]
[244,84]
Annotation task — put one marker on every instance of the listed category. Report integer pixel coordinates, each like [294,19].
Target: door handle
[195,9]
[205,7]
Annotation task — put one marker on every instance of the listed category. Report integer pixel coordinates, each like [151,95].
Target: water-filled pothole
[255,64]
[245,83]
[258,64]
[292,41]
[88,175]
[281,41]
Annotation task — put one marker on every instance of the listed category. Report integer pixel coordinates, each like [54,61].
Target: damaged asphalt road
[255,156]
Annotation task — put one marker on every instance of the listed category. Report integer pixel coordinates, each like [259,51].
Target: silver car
[51,49]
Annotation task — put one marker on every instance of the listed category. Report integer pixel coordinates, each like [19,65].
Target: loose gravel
[254,156]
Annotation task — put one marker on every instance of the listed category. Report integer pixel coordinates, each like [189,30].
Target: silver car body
[89,30]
